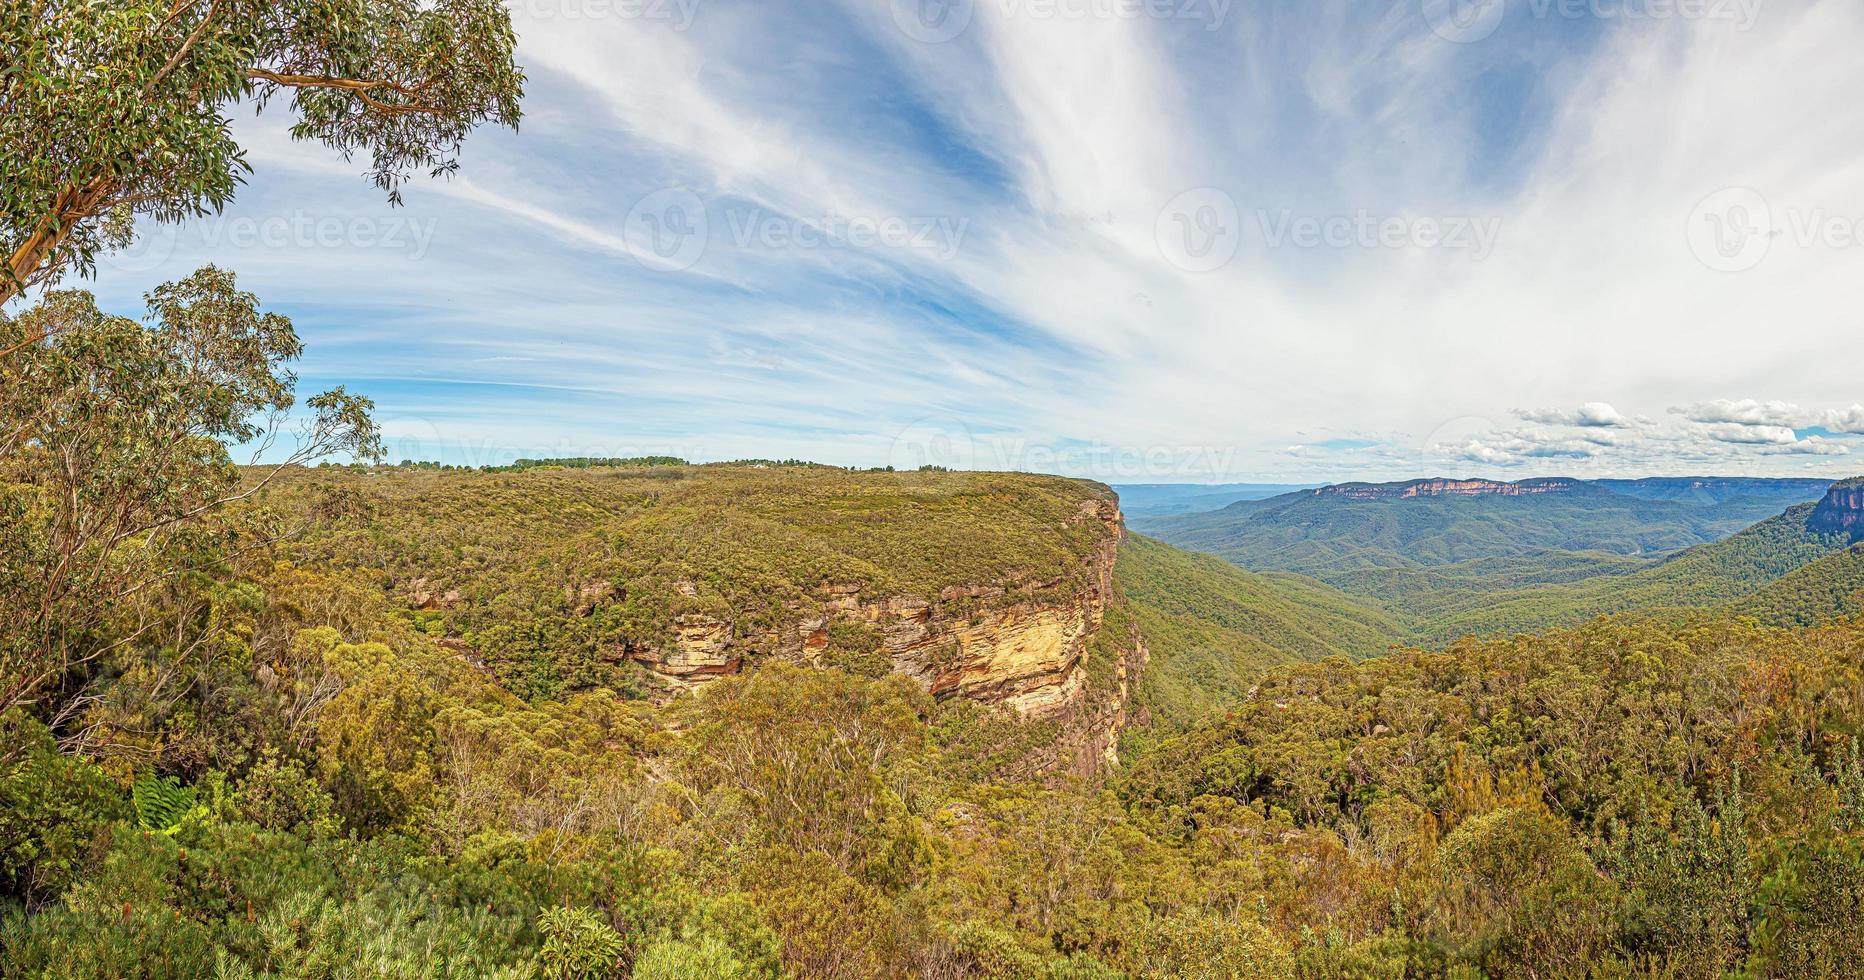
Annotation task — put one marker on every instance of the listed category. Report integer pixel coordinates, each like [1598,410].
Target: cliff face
[1842,510]
[1017,645]
[1451,488]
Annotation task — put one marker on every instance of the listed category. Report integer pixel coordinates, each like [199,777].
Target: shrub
[53,812]
[578,945]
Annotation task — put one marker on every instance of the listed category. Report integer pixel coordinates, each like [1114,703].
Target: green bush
[54,812]
[578,945]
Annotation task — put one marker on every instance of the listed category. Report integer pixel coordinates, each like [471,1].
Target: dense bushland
[248,733]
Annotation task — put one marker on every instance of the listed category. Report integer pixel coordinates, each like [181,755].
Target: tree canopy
[114,442]
[110,111]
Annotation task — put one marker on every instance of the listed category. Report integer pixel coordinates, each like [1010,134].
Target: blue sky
[1139,241]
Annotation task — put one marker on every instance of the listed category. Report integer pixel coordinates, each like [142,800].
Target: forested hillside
[275,708]
[1723,572]
[1350,528]
[1619,800]
[1214,629]
[1447,559]
[1636,800]
[1828,588]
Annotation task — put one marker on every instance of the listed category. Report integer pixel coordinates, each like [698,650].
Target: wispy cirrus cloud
[826,229]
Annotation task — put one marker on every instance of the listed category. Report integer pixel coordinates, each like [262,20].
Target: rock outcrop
[424,595]
[1021,645]
[1842,510]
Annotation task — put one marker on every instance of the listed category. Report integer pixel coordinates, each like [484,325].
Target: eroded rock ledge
[1842,510]
[1453,488]
[1014,645]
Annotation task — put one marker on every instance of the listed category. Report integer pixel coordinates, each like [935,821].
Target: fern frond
[161,802]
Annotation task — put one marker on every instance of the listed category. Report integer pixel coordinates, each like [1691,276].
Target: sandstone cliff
[1019,645]
[1842,510]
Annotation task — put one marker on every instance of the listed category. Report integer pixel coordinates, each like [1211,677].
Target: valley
[1448,559]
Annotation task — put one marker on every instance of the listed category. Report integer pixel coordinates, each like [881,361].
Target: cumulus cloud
[1703,436]
[1593,415]
[1749,411]
[1518,447]
[1750,435]
[1846,420]
[1813,446]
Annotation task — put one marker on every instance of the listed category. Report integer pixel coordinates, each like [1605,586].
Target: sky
[1143,241]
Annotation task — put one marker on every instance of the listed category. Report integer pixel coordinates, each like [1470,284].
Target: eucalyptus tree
[115,109]
[115,473]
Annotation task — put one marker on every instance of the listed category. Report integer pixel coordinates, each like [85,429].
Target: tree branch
[28,261]
[360,87]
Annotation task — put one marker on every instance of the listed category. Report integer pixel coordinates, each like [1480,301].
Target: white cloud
[1750,435]
[1753,412]
[1815,446]
[1848,420]
[1589,415]
[1747,411]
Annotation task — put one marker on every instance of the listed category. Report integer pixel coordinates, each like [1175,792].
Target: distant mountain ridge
[1448,558]
[1159,499]
[1441,487]
[1715,489]
[1346,528]
[1698,489]
[1802,567]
